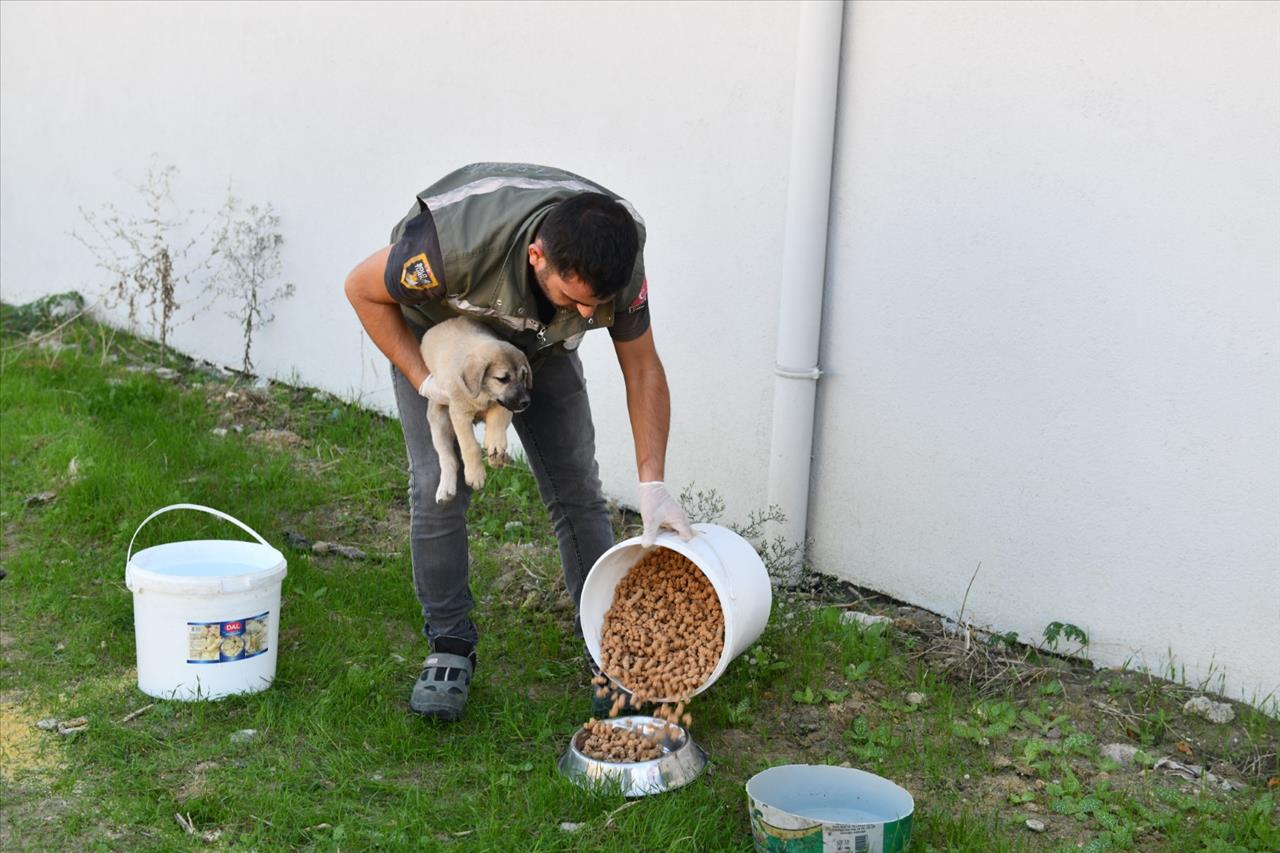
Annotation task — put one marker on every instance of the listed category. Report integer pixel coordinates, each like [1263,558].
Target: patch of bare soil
[529,576]
[11,541]
[383,536]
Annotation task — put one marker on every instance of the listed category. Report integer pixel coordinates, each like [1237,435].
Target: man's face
[567,293]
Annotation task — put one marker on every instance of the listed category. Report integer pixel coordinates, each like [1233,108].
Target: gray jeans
[559,441]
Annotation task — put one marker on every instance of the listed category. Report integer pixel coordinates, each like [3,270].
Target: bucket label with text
[221,642]
[777,831]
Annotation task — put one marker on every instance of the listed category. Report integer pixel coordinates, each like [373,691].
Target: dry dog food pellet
[664,633]
[663,636]
[613,743]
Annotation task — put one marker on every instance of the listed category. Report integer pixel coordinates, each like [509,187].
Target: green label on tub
[896,835]
[230,640]
[777,831]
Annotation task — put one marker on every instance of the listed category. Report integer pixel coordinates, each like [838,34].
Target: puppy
[487,379]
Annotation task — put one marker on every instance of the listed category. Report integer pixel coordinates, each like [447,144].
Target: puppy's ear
[526,376]
[473,370]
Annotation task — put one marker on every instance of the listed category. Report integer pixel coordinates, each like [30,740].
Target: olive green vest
[479,224]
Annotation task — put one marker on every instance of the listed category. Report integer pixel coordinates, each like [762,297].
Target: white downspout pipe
[804,257]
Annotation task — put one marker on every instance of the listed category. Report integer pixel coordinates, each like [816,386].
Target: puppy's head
[500,375]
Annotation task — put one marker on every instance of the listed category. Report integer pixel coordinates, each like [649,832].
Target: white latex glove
[432,391]
[658,509]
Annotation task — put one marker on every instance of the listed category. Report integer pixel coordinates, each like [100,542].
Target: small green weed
[809,696]
[857,672]
[870,743]
[739,713]
[987,720]
[1055,631]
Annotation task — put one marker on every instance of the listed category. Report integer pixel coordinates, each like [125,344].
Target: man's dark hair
[592,237]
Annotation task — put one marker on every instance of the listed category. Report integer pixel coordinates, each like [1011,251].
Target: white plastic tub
[206,613]
[798,808]
[735,570]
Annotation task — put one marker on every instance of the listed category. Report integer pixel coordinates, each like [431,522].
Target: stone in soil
[348,551]
[1214,712]
[296,540]
[856,617]
[277,438]
[70,727]
[1121,753]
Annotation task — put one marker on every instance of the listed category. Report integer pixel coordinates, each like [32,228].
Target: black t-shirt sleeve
[632,321]
[415,266]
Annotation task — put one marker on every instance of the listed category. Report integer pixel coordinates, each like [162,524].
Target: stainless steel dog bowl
[681,761]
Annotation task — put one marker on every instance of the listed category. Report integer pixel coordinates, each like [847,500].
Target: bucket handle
[222,515]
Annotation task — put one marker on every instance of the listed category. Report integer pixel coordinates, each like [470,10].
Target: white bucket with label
[206,613]
[735,570]
[811,808]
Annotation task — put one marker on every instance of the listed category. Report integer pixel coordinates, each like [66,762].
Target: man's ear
[536,255]
[473,370]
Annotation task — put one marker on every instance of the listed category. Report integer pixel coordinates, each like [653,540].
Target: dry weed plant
[248,244]
[784,561]
[154,259]
[149,255]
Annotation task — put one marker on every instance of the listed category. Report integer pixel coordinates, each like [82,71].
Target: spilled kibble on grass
[663,636]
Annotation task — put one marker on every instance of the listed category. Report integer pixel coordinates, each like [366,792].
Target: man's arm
[380,315]
[648,403]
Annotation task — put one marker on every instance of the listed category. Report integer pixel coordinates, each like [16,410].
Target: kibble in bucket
[662,638]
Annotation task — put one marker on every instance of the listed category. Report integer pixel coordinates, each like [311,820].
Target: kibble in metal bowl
[679,760]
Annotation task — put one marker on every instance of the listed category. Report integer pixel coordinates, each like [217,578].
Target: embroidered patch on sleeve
[641,299]
[418,275]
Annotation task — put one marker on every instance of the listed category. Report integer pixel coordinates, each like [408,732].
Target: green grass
[340,762]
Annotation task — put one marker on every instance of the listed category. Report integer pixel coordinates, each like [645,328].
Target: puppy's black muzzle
[517,399]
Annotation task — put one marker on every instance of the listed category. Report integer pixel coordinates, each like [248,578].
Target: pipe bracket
[797,372]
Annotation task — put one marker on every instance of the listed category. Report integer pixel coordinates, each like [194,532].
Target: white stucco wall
[1053,305]
[337,113]
[1052,335]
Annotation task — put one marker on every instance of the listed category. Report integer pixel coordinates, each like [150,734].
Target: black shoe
[441,690]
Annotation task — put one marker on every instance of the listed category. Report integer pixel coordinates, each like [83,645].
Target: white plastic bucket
[735,570]
[796,808]
[206,613]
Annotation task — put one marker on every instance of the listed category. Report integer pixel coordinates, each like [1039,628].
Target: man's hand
[658,509]
[432,391]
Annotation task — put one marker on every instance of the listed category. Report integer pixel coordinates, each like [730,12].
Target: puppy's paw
[474,475]
[446,491]
[495,447]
